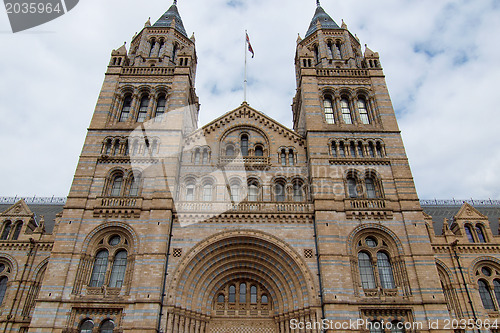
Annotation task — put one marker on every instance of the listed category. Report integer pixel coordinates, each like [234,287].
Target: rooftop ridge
[34,200]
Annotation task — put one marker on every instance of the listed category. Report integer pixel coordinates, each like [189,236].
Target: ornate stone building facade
[244,225]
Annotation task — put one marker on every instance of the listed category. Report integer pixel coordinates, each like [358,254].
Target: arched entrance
[240,281]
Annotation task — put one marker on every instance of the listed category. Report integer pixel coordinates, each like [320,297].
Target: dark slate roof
[48,212]
[166,20]
[440,212]
[324,19]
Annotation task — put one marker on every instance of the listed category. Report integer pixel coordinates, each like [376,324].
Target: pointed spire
[321,20]
[171,16]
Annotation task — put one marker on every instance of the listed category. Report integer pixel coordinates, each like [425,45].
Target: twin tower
[242,225]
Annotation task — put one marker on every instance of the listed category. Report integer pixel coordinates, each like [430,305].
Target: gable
[467,212]
[19,209]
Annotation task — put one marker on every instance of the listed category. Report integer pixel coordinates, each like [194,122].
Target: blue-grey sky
[440,59]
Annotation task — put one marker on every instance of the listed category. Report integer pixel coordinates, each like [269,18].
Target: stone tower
[108,265]
[374,253]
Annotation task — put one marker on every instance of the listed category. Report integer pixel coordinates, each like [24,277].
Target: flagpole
[245,82]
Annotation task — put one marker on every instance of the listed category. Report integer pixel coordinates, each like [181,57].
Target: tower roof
[170,15]
[325,21]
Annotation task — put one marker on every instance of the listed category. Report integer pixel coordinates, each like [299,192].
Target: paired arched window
[374,264]
[87,326]
[126,108]
[369,187]
[119,186]
[201,156]
[475,234]
[286,156]
[99,277]
[488,282]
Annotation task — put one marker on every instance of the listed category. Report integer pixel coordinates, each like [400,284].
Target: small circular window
[371,242]
[486,271]
[114,240]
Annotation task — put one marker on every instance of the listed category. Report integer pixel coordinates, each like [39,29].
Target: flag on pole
[250,46]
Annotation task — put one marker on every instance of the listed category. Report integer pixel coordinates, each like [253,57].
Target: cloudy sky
[441,59]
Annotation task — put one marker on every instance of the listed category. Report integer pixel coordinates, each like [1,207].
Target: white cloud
[447,110]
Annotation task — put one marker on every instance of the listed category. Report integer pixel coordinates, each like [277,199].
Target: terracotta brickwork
[243,225]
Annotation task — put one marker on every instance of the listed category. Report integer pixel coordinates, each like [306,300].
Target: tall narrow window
[205,157]
[363,112]
[197,157]
[243,293]
[232,294]
[160,108]
[371,192]
[468,232]
[259,151]
[207,192]
[118,270]
[341,149]
[253,294]
[346,111]
[17,231]
[352,149]
[496,287]
[316,53]
[351,187]
[484,292]
[360,149]
[174,53]
[109,145]
[371,149]
[127,104]
[116,187]
[291,157]
[379,149]
[283,157]
[190,192]
[6,230]
[385,271]
[334,149]
[235,192]
[143,109]
[99,270]
[87,326]
[107,327]
[366,271]
[279,191]
[328,106]
[253,192]
[244,145]
[297,192]
[116,148]
[480,234]
[134,187]
[3,288]
[152,47]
